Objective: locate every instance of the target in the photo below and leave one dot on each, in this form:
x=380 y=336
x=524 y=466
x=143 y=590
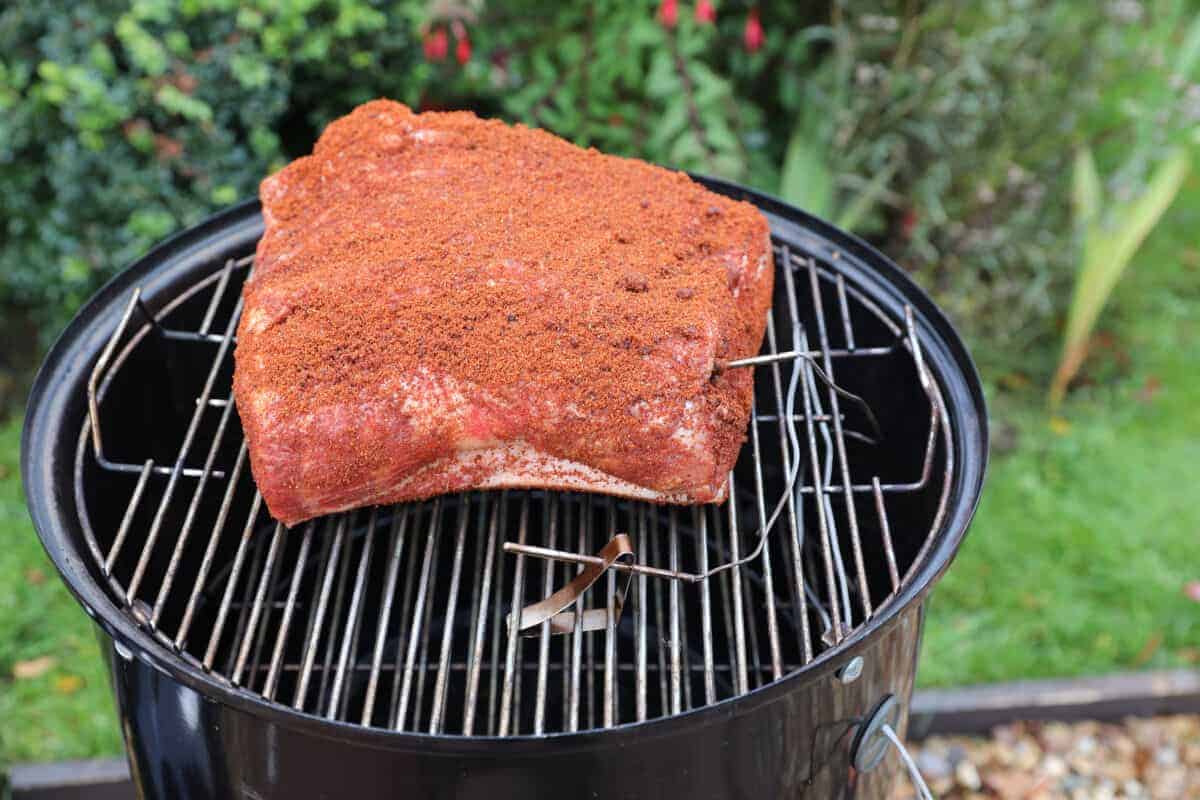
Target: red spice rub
x=441 y=302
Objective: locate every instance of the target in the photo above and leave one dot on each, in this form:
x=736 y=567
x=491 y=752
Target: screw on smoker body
x=851 y=672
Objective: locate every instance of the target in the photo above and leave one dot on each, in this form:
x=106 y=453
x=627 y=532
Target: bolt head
x=852 y=671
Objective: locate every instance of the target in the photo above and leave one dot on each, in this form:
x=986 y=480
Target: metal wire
x=914 y=773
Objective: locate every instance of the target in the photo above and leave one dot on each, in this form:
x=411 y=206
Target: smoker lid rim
x=50 y=432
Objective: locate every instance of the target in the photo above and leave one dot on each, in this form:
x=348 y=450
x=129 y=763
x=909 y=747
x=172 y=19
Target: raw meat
x=442 y=303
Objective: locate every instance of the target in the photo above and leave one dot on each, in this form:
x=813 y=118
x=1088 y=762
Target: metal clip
x=619 y=550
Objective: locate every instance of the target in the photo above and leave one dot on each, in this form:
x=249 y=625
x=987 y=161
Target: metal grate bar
x=814 y=462
x=335 y=616
x=427 y=623
x=288 y=610
x=396 y=549
x=418 y=617
x=211 y=548
x=188 y=439
x=190 y=519
x=577 y=646
x=494 y=609
x=744 y=581
x=260 y=636
x=353 y=618
x=256 y=608
x=844 y=307
x=481 y=615
x=406 y=620
x=787 y=434
x=706 y=628
x=589 y=641
x=219 y=626
x=439 y=691
x=885 y=533
x=462 y=666
x=518 y=601
x=332 y=557
x=840 y=441
x=825 y=502
x=243 y=606
x=725 y=582
x=218 y=293
x=739 y=619
x=127 y=519
x=768 y=575
x=568 y=646
x=610 y=631
x=685 y=643
x=674 y=588
x=316 y=612
x=642 y=600
x=539 y=718
x=660 y=624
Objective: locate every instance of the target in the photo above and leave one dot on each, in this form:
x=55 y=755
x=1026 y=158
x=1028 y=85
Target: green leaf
x=1107 y=253
x=1085 y=187
x=152 y=10
x=1140 y=215
x=50 y=71
x=867 y=198
x=178 y=43
x=151 y=223
x=673 y=121
x=264 y=141
x=687 y=151
x=144 y=50
x=806 y=180
x=224 y=195
x=662 y=81
x=186 y=106
x=101 y=58
x=1189 y=51
x=249 y=19
x=251 y=71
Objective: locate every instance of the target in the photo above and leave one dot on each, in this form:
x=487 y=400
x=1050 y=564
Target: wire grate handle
x=552 y=609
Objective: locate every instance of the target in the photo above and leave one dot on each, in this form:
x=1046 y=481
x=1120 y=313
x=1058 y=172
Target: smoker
x=375 y=653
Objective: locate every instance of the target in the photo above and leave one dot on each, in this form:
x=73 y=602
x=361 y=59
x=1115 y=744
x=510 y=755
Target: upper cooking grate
x=395 y=617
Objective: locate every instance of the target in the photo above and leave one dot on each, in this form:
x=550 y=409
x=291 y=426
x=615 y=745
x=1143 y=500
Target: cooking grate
x=395 y=617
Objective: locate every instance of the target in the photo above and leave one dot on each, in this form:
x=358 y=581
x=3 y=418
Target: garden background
x=988 y=147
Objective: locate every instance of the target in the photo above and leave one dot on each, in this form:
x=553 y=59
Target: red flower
x=752 y=35
x=462 y=51
x=668 y=12
x=436 y=44
x=705 y=13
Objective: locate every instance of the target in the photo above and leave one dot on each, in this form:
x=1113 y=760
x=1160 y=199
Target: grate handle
x=619 y=550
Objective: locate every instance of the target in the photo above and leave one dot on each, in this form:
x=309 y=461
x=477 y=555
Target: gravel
x=1139 y=758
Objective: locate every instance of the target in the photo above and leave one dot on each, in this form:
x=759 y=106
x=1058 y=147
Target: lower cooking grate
x=395 y=617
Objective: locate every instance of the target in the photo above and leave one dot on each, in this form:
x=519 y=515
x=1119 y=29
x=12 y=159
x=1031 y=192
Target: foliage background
x=947 y=122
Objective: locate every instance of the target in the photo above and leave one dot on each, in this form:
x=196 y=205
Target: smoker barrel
x=368 y=653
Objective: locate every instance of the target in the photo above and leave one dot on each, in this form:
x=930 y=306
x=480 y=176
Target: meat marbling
x=442 y=303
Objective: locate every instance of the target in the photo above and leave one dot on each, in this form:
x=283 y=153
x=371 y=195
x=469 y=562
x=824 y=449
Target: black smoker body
x=193 y=734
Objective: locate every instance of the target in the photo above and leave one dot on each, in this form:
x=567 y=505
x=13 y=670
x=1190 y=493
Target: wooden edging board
x=978 y=709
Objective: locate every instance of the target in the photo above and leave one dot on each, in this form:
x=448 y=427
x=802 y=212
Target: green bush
x=121 y=122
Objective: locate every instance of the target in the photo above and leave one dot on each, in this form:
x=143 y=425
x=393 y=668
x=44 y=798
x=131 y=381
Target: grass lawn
x=54 y=695
x=1088 y=531
x=1089 y=528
